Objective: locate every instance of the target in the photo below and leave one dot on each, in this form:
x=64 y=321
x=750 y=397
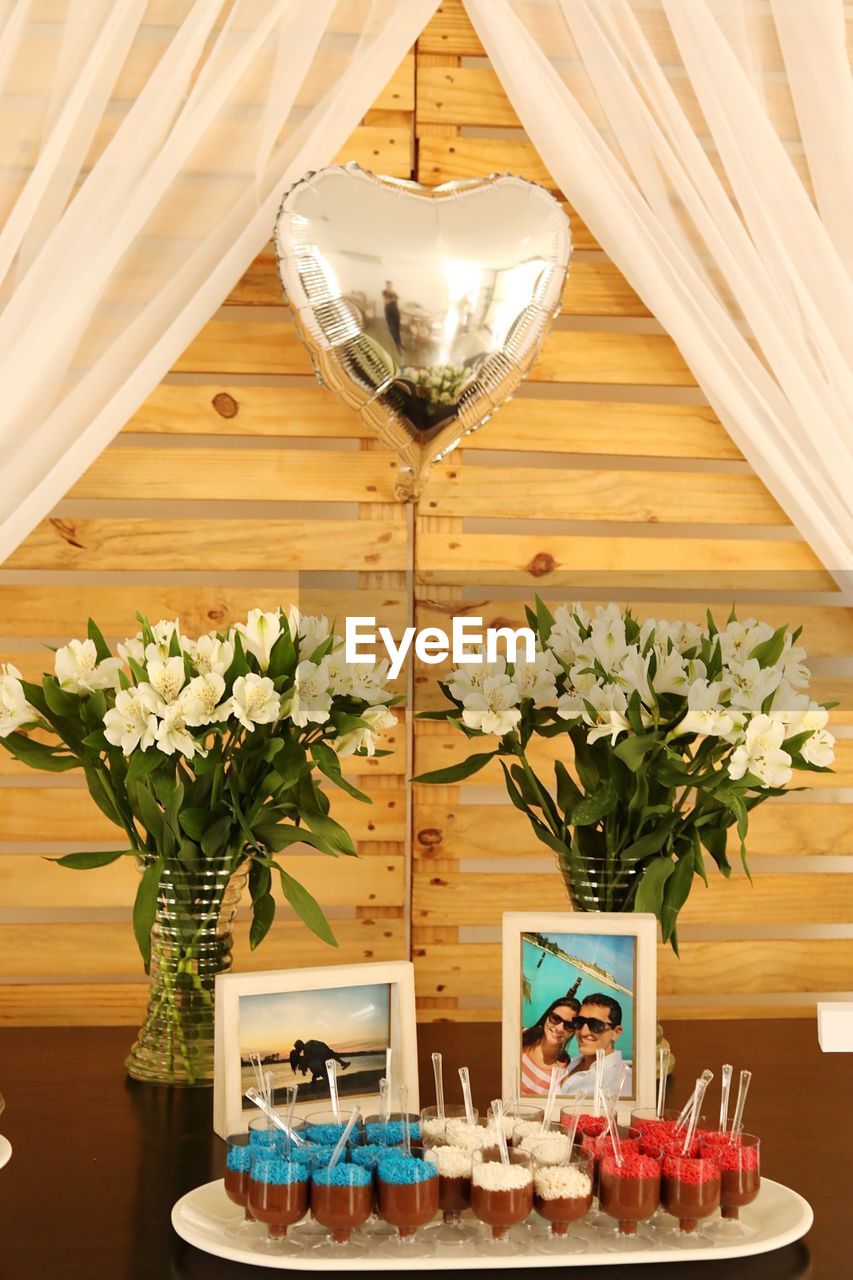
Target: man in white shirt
x=598 y=1025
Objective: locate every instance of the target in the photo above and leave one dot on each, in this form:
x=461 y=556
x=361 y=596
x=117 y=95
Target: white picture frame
x=283 y=989
x=584 y=929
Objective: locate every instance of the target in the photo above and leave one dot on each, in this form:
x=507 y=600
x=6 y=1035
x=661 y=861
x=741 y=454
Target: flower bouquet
x=205 y=754
x=676 y=732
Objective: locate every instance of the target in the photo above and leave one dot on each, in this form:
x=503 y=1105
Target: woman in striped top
x=545 y=1044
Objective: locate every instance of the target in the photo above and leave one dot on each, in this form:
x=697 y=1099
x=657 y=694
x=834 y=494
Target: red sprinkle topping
x=690 y=1169
x=659 y=1129
x=591 y=1126
x=738 y=1159
x=715 y=1138
x=632 y=1166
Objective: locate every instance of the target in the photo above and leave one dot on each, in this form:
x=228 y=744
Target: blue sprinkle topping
x=390 y=1134
x=265 y=1137
x=343 y=1175
x=239 y=1159
x=407 y=1169
x=325 y=1135
x=368 y=1156
x=278 y=1172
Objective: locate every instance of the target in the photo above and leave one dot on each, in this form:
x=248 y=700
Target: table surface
x=99 y=1160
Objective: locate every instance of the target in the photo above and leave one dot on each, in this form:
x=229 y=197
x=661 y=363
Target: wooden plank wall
x=239 y=484
x=609 y=478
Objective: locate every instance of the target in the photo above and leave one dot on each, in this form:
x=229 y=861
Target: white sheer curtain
x=708 y=145
x=144 y=147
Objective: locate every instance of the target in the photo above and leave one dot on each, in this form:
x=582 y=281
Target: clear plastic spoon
x=344 y=1138
x=254 y=1096
x=725 y=1088
x=404 y=1117
x=498 y=1116
x=737 y=1118
x=549 y=1101
x=332 y=1076
x=698 y=1095
x=663 y=1058
x=439 y=1085
x=466 y=1095
x=706 y=1076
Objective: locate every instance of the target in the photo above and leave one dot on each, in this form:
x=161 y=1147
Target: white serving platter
x=5 y=1151
x=778 y=1216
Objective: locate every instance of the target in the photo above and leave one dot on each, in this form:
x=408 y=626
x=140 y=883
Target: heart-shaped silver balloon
x=423 y=308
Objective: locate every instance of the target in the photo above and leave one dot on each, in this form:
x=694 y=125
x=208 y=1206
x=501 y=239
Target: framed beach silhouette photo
x=574 y=984
x=296 y=1020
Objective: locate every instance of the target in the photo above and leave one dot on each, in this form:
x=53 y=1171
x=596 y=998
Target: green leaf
x=306 y=907
x=151 y=816
x=94 y=858
x=634 y=712
x=215 y=839
x=438 y=715
x=649 y=895
x=329 y=764
x=596 y=806
x=544 y=620
x=770 y=651
x=714 y=839
x=38 y=755
x=100 y=795
x=194 y=821
x=144 y=762
x=263 y=914
x=568 y=792
x=675 y=892
x=632 y=751
x=102 y=649
x=584 y=763
x=145 y=907
x=239 y=663
x=96 y=741
x=456 y=772
x=60 y=702
x=283 y=654
x=651 y=842
x=331 y=833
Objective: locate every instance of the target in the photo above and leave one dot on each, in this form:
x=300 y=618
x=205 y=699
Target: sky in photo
x=350 y=1019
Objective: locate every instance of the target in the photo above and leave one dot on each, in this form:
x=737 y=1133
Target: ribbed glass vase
x=594 y=883
x=190 y=945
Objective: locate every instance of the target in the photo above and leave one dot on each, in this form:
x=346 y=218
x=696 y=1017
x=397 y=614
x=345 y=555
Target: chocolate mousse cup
x=408 y=1197
x=278 y=1197
x=341 y=1200
x=740 y=1183
x=690 y=1187
x=502 y=1194
x=630 y=1190
x=562 y=1195
x=237 y=1165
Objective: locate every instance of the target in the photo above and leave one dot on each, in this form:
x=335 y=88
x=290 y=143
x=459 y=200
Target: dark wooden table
x=99 y=1160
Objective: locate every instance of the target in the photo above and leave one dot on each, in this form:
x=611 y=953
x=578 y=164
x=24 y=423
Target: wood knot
x=67 y=531
x=438 y=882
x=430 y=837
x=541 y=564
x=226 y=406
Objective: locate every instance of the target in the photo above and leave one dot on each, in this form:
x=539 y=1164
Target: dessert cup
x=740 y=1183
x=629 y=1191
x=237 y=1167
x=342 y=1201
x=278 y=1198
x=502 y=1197
x=382 y=1132
x=324 y=1128
x=454 y=1196
x=408 y=1200
x=367 y=1156
x=432 y=1127
x=690 y=1192
x=562 y=1195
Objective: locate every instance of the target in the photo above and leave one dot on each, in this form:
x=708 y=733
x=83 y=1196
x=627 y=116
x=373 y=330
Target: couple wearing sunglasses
x=594 y=1024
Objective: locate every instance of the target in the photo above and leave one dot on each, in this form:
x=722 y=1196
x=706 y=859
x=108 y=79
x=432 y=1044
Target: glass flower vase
x=190 y=945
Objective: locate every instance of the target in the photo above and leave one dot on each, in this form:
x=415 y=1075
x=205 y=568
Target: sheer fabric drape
x=709 y=148
x=144 y=147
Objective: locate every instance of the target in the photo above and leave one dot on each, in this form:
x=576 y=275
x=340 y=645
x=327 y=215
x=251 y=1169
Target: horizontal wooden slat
x=452 y=897
x=272 y=347
x=592 y=289
x=555 y=559
x=437 y=751
x=96 y=949
x=254 y=475
x=30 y=881
x=106 y=1004
x=704 y=968
x=647 y=496
x=245 y=410
x=68 y=813
x=500 y=831
x=827 y=631
x=453 y=159
x=56 y=610
x=275 y=545
x=604 y=427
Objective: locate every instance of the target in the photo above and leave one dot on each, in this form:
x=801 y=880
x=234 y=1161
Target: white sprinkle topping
x=494 y=1176
x=432 y=1128
x=470 y=1136
x=453 y=1162
x=562 y=1181
x=549 y=1147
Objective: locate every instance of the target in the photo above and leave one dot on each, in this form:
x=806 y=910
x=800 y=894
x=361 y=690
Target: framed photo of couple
x=295 y=1020
x=573 y=984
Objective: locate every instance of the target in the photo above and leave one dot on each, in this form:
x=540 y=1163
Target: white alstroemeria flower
x=537 y=679
x=494 y=708
x=610 y=705
x=173 y=735
x=131 y=723
x=132 y=647
x=633 y=673
x=819 y=749
x=672 y=674
x=607 y=637
x=761 y=753
x=565 y=638
x=201 y=699
x=253 y=701
x=471 y=677
x=578 y=684
x=750 y=683
x=738 y=639
x=162 y=632
x=793 y=665
x=310 y=700
x=212 y=655
x=378 y=719
x=366 y=681
x=260 y=632
x=14 y=708
x=313 y=631
x=166 y=678
x=686 y=636
x=78 y=670
x=705 y=714
x=788 y=705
